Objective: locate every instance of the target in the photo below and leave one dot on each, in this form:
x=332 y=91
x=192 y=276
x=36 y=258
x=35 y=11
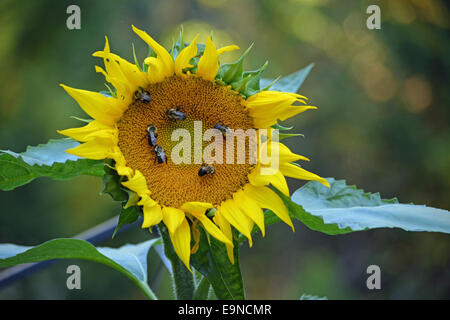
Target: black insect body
x=206 y=170
x=226 y=131
x=176 y=114
x=160 y=154
x=152 y=134
x=142 y=95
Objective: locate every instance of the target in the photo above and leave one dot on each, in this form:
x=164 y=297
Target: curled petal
x=208 y=65
x=173 y=218
x=185 y=56
x=181 y=241
x=266 y=198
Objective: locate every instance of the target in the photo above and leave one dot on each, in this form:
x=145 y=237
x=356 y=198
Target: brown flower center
x=173 y=184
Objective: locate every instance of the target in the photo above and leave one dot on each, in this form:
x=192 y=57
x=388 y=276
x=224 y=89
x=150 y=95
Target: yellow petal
x=96 y=105
x=225 y=227
x=152 y=216
x=277 y=180
x=138 y=184
x=237 y=218
x=196 y=208
x=266 y=198
x=162 y=54
x=208 y=65
x=293 y=171
x=181 y=240
x=185 y=56
x=287 y=155
x=173 y=218
x=115 y=74
x=155 y=70
x=123 y=68
x=251 y=209
x=213 y=230
x=227 y=49
x=96 y=149
x=88 y=132
x=121 y=165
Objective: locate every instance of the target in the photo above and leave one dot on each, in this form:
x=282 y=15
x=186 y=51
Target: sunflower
x=133 y=124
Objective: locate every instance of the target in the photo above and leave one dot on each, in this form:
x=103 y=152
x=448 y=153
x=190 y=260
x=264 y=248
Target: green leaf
x=312 y=297
x=290 y=83
x=45 y=160
x=211 y=260
x=127 y=216
x=130 y=259
x=202 y=290
x=353 y=209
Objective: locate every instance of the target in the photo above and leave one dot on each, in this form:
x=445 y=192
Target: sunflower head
x=190 y=138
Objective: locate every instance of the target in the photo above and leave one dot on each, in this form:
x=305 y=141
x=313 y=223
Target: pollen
x=172 y=184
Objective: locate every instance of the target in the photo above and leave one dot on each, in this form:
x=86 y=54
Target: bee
x=160 y=154
x=152 y=135
x=206 y=170
x=176 y=114
x=226 y=131
x=142 y=95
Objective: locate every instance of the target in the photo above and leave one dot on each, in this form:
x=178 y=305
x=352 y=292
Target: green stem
x=182 y=278
x=146 y=290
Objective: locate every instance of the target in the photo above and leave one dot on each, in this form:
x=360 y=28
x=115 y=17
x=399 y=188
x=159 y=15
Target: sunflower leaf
x=353 y=209
x=343 y=209
x=211 y=260
x=130 y=259
x=45 y=160
x=290 y=83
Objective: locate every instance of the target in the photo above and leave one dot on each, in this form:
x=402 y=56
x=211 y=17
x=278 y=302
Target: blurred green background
x=382 y=124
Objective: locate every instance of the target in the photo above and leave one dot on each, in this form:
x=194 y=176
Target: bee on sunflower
x=175 y=89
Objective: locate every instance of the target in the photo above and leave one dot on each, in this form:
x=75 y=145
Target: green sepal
x=249 y=84
x=194 y=61
x=127 y=216
x=136 y=62
x=179 y=45
x=282 y=136
x=232 y=72
x=252 y=85
x=290 y=83
x=110 y=93
x=281 y=127
x=112 y=183
x=81 y=119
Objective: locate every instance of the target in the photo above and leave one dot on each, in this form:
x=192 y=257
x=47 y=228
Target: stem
x=146 y=290
x=182 y=278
